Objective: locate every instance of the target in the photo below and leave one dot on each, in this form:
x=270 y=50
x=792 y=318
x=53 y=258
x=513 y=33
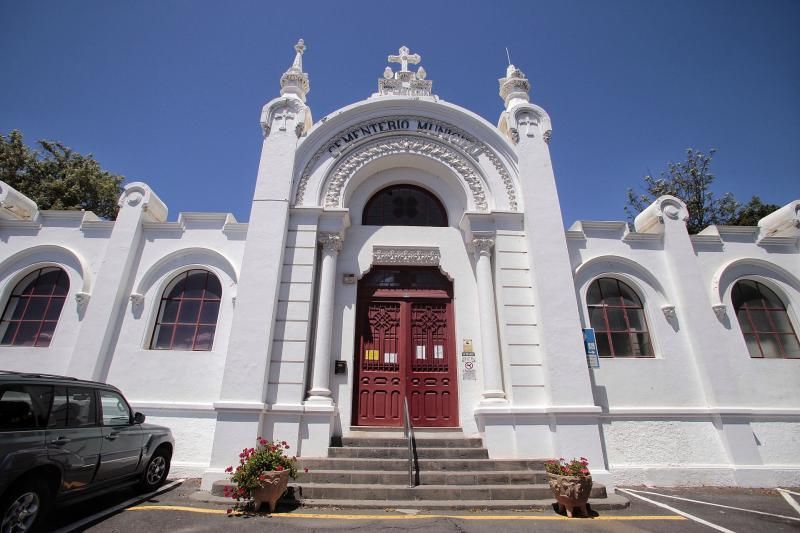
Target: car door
x=73 y=435
x=121 y=448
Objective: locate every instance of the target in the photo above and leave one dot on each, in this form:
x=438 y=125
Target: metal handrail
x=408 y=432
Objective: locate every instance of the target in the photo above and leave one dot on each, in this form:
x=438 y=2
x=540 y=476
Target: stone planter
x=571 y=492
x=271 y=490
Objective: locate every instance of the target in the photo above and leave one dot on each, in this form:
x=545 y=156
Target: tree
x=56 y=177
x=691 y=181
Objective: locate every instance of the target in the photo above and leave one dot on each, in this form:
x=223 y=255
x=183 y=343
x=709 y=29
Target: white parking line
x=717 y=505
x=676 y=511
x=111 y=510
x=791 y=501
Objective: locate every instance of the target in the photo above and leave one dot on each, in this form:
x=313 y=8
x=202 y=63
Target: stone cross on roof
x=404 y=58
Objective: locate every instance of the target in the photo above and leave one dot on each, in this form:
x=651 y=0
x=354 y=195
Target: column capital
x=482 y=244
x=331 y=242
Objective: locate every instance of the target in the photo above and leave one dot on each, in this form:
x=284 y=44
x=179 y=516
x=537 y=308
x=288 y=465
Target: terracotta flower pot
x=571 y=492
x=271 y=490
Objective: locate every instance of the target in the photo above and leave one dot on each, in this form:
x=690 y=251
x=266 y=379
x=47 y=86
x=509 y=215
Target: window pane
x=16 y=408
x=46 y=282
x=190 y=309
x=9 y=329
x=622 y=344
x=752 y=345
x=15 y=307
x=25 y=286
x=641 y=345
x=58 y=413
x=744 y=322
x=781 y=321
x=26 y=334
x=610 y=291
x=177 y=287
x=62 y=284
x=628 y=296
x=616 y=319
x=46 y=334
x=204 y=338
x=36 y=308
x=81 y=411
x=404 y=205
x=760 y=321
x=162 y=339
x=184 y=337
x=195 y=284
x=770 y=346
x=770 y=298
x=636 y=319
x=115 y=410
x=54 y=310
x=748 y=293
x=213 y=288
x=603 y=347
x=208 y=315
x=169 y=310
x=597 y=319
x=593 y=294
x=791 y=346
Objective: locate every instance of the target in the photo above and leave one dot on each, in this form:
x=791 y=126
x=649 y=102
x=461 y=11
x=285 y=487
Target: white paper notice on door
x=390 y=358
x=438 y=351
x=420 y=352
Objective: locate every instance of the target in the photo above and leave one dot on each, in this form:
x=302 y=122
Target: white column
x=321 y=373
x=492 y=375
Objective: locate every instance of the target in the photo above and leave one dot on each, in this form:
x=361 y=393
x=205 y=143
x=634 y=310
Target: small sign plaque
x=590 y=343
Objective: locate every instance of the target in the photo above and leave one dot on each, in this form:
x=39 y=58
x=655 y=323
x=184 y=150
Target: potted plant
x=571 y=483
x=262 y=475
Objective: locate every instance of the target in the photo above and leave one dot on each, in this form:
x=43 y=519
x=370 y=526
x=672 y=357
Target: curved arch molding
x=447 y=144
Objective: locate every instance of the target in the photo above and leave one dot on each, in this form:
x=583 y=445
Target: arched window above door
x=404 y=205
x=764 y=321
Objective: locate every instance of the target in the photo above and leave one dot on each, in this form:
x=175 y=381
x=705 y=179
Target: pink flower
x=305 y=470
x=279 y=468
x=229 y=469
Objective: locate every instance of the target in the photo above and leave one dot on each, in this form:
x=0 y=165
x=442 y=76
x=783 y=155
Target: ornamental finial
x=404 y=82
x=514 y=88
x=294 y=81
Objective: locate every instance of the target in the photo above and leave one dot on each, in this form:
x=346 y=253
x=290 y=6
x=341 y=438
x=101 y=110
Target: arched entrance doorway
x=405 y=348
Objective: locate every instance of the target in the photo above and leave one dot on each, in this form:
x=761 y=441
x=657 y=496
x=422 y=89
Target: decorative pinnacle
x=514 y=88
x=404 y=82
x=294 y=81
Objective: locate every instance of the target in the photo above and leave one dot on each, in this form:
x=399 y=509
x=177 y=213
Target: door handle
x=60 y=441
x=111 y=436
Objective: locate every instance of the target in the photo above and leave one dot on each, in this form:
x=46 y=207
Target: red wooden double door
x=405 y=349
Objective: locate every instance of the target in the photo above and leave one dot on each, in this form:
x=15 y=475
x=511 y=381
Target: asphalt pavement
x=177 y=509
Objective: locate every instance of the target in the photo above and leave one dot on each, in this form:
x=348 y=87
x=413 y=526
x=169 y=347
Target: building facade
x=403 y=252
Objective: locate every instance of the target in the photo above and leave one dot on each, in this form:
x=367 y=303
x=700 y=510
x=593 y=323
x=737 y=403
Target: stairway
x=454 y=472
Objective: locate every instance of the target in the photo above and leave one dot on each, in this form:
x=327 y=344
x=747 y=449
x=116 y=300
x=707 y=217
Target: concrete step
x=342 y=491
x=425 y=478
x=427 y=442
x=402 y=453
x=425 y=465
x=612 y=501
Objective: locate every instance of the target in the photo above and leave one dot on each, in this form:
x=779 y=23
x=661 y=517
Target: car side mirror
x=138 y=418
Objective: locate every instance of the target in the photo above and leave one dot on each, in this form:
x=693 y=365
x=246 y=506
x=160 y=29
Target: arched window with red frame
x=187 y=315
x=33 y=309
x=764 y=321
x=404 y=205
x=617 y=316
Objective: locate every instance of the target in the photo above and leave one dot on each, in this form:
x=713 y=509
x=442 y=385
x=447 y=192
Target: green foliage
x=691 y=181
x=56 y=177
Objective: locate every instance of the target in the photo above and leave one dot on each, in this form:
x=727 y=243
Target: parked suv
x=63 y=438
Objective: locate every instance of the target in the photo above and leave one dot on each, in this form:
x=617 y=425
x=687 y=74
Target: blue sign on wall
x=589 y=342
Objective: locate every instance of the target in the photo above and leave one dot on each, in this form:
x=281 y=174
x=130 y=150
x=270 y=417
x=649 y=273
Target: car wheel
x=24 y=507
x=156 y=471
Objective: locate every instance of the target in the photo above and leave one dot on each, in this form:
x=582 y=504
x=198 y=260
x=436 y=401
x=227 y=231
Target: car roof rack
x=50 y=376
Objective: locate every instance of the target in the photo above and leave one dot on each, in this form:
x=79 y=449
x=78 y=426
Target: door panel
x=406 y=349
x=122 y=440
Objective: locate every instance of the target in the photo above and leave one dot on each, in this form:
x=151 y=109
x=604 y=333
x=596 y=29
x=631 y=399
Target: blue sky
x=169 y=92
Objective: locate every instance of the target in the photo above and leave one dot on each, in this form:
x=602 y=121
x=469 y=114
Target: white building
x=385 y=242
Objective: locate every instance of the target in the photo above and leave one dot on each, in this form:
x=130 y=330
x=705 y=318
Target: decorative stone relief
x=546 y=136
x=404 y=255
x=331 y=242
x=669 y=311
x=82 y=298
x=441 y=131
x=399 y=145
x=285 y=116
x=721 y=310
x=137 y=299
x=482 y=245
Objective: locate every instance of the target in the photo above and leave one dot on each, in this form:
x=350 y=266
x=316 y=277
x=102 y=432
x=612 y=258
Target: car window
x=73 y=407
x=115 y=411
x=24 y=406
